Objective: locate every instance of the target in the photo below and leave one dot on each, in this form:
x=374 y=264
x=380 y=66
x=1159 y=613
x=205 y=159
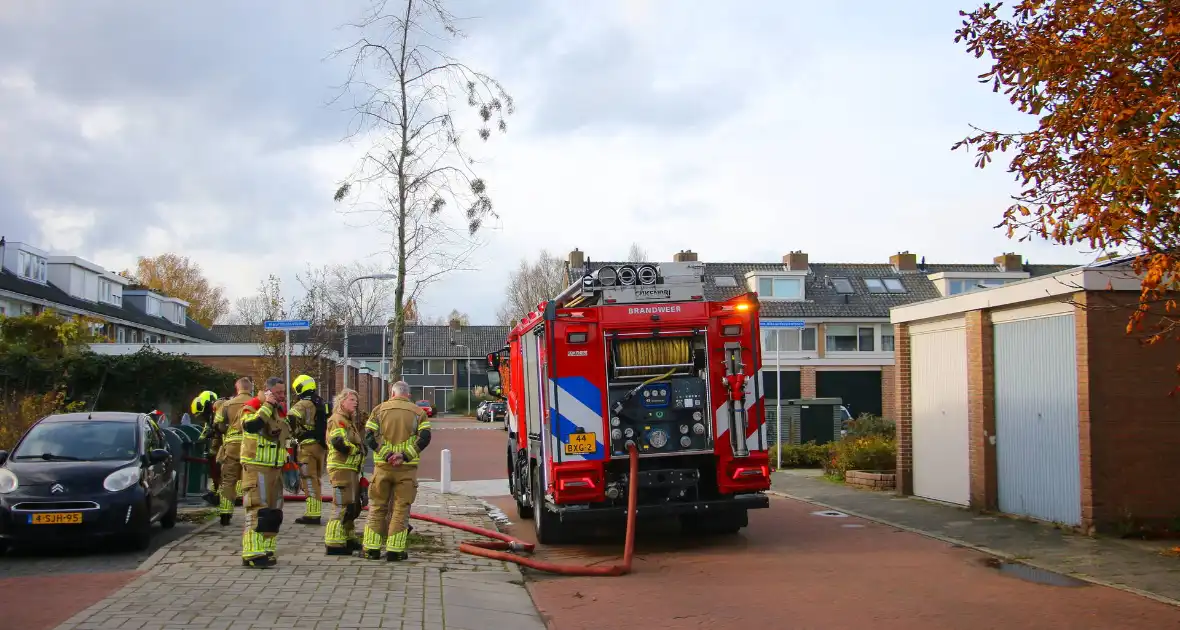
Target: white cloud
x=740 y=135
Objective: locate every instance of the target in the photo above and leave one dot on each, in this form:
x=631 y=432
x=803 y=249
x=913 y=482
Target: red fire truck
x=635 y=355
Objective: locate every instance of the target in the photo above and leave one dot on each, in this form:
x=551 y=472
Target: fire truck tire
x=548 y=527
x=523 y=511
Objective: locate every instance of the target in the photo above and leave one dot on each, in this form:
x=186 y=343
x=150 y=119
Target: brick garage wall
x=981 y=410
x=888 y=392
x=258 y=368
x=902 y=393
x=1134 y=426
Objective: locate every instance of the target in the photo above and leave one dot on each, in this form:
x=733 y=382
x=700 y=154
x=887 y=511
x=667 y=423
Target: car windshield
x=84 y=440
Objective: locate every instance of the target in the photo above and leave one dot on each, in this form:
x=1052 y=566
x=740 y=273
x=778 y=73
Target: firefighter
x=346 y=454
x=227 y=422
x=264 y=432
x=308 y=418
x=396 y=432
x=203 y=408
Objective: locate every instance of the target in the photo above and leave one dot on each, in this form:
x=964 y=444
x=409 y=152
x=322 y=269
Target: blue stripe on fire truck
x=579 y=406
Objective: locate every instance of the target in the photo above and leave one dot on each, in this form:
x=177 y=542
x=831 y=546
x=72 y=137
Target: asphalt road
x=794 y=568
x=94 y=558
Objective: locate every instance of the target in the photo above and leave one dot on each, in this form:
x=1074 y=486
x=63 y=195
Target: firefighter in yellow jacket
x=308 y=417
x=204 y=408
x=264 y=436
x=397 y=432
x=227 y=421
x=345 y=456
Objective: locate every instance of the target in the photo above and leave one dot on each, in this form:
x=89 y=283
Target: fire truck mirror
x=495 y=386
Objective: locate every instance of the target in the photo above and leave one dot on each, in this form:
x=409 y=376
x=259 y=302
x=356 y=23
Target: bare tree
x=406 y=90
x=636 y=254
x=531 y=284
x=455 y=314
x=252 y=310
x=362 y=303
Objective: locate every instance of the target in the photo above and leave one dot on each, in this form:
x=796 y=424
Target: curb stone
x=982 y=549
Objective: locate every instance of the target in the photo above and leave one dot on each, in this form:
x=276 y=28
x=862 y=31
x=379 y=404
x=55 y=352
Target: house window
x=842 y=285
x=121 y=335
x=440 y=367
x=412 y=367
x=31 y=267
x=887 y=339
x=780 y=288
x=884 y=285
x=788 y=339
x=849 y=338
x=153 y=306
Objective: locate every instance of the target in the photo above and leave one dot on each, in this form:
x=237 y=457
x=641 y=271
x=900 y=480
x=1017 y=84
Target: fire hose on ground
x=499 y=548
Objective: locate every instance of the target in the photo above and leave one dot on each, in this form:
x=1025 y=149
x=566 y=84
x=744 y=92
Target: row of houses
x=1014 y=385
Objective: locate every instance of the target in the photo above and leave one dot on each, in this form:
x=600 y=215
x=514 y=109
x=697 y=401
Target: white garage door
x=1038 y=468
x=939 y=401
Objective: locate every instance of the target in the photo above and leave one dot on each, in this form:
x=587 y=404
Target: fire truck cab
x=635 y=355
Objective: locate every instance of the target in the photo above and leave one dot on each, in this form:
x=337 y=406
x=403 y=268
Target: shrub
x=458 y=402
x=861 y=453
x=809 y=455
x=868 y=425
x=19 y=411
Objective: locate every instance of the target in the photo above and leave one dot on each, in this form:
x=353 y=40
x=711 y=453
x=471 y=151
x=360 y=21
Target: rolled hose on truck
x=497 y=549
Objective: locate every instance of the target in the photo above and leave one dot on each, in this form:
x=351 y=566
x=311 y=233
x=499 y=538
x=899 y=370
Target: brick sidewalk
x=1119 y=563
x=200 y=584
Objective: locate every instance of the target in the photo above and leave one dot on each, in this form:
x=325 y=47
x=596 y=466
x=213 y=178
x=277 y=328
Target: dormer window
x=153 y=306
x=780 y=288
x=884 y=285
x=32 y=267
x=109 y=293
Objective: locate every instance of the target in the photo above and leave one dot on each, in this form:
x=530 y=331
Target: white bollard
x=445 y=478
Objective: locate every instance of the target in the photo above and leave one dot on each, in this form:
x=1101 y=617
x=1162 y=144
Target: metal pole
x=384 y=371
x=287 y=336
x=468 y=380
x=346 y=349
x=778 y=399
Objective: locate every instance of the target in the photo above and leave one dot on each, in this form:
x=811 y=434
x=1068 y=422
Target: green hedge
x=871 y=452
x=809 y=455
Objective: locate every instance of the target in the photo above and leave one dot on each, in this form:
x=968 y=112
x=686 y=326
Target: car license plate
x=581 y=444
x=55 y=518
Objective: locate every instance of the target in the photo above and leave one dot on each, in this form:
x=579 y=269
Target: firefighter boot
x=312 y=517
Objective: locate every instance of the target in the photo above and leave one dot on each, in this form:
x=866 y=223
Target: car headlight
x=8 y=481
x=121 y=479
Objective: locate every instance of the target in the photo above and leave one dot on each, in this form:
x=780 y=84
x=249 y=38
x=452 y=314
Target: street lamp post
x=348 y=316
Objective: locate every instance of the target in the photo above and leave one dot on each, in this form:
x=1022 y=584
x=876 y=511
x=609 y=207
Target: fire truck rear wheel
x=549 y=529
x=525 y=512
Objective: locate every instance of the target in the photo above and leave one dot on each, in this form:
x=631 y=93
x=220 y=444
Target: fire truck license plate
x=56 y=518
x=581 y=444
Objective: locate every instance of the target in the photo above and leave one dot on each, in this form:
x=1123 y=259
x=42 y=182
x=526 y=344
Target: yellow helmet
x=202 y=400
x=303 y=384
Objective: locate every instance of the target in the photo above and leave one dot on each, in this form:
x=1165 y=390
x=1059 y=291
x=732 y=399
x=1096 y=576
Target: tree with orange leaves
x=177 y=276
x=1103 y=164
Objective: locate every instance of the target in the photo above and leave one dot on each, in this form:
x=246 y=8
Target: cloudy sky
x=132 y=128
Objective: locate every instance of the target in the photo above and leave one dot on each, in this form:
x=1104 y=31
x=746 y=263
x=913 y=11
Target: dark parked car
x=79 y=476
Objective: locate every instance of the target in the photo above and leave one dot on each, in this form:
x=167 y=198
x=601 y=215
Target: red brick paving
x=791 y=569
x=475 y=453
x=44 y=602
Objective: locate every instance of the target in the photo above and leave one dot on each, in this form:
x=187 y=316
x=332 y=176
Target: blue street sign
x=287 y=324
x=782 y=323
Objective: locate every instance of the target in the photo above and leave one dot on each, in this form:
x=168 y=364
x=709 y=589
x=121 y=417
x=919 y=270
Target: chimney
x=795 y=261
x=1009 y=261
x=577 y=259
x=684 y=255
x=904 y=261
